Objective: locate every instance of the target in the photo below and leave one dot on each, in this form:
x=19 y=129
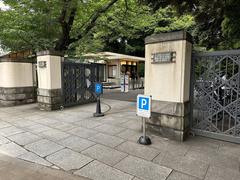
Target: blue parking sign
x=143 y=103
x=144 y=106
x=98 y=88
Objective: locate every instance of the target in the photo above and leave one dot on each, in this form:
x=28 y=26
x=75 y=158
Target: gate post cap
x=50 y=52
x=169 y=36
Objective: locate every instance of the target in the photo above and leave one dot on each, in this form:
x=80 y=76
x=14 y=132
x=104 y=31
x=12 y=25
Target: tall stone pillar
x=49 y=68
x=167 y=79
x=16 y=81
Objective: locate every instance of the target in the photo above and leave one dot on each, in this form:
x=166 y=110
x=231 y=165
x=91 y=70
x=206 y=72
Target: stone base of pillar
x=49 y=99
x=170 y=119
x=17 y=96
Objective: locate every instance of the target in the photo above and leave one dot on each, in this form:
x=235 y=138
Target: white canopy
x=113 y=56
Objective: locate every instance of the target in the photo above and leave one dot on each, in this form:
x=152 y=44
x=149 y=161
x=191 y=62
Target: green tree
x=124 y=30
x=56 y=24
x=216 y=22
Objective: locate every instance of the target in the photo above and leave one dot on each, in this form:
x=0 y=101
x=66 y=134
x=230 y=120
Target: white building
x=116 y=64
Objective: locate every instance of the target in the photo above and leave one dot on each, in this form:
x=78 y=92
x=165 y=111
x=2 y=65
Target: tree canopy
x=80 y=26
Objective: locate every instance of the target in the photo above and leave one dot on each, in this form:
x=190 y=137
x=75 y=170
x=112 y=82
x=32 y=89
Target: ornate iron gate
x=215 y=95
x=78 y=82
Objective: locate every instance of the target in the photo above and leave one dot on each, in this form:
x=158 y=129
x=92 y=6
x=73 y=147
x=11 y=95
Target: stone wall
x=16 y=81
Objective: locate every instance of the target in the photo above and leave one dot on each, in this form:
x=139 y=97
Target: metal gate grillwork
x=78 y=83
x=215 y=93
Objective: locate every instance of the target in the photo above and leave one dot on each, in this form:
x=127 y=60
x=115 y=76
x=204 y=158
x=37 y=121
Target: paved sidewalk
x=106 y=149
x=15 y=169
x=116 y=94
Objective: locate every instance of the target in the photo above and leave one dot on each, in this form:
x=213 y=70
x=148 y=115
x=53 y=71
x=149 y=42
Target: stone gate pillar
x=49 y=68
x=167 y=79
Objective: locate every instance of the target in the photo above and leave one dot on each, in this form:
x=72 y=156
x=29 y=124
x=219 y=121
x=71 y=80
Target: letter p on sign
x=144 y=106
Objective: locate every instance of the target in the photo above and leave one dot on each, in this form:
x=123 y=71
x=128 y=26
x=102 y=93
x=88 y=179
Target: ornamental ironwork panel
x=78 y=83
x=215 y=94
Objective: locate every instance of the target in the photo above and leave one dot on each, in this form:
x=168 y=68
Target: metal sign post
x=144 y=111
x=98 y=92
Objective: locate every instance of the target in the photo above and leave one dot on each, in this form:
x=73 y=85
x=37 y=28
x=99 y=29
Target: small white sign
x=126 y=83
x=144 y=106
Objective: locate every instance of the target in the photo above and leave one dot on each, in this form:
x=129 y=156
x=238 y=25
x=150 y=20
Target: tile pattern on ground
x=24 y=138
x=76 y=143
x=143 y=169
x=54 y=135
x=99 y=171
x=107 y=140
x=120 y=125
x=9 y=131
x=43 y=147
x=138 y=150
x=31 y=157
x=3 y=140
x=83 y=132
x=12 y=149
x=184 y=164
x=218 y=173
x=104 y=154
x=109 y=129
x=180 y=176
x=68 y=159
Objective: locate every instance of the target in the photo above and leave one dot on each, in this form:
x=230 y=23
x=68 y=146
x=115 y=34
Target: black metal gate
x=78 y=82
x=215 y=95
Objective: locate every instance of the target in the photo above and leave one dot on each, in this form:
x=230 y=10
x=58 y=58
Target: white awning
x=113 y=56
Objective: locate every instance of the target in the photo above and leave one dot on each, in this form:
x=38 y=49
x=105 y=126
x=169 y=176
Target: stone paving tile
x=23 y=123
x=16 y=169
x=68 y=159
x=105 y=154
x=38 y=128
x=113 y=120
x=143 y=169
x=107 y=140
x=12 y=149
x=213 y=157
x=173 y=147
x=138 y=150
x=4 y=124
x=24 y=138
x=54 y=135
x=76 y=143
x=88 y=123
x=3 y=114
x=66 y=118
x=184 y=164
x=130 y=135
x=180 y=176
x=3 y=140
x=83 y=132
x=43 y=147
x=78 y=114
x=218 y=173
x=133 y=124
x=109 y=129
x=230 y=149
x=33 y=117
x=199 y=141
x=12 y=118
x=31 y=157
x=99 y=171
x=63 y=126
x=8 y=131
x=47 y=121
